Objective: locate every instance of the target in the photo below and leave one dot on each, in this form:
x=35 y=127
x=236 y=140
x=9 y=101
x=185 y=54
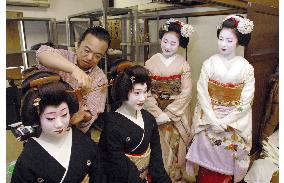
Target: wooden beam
x=198 y=14
x=228 y=3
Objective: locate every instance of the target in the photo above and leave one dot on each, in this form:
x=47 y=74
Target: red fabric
x=160 y=78
x=208 y=176
x=149 y=178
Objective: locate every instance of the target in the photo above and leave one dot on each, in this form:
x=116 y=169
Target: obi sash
x=141 y=161
x=224 y=94
x=164 y=89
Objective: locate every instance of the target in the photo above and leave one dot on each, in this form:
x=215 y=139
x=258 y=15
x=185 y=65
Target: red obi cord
x=161 y=78
x=208 y=176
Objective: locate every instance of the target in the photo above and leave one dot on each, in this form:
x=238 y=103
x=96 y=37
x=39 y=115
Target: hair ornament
x=36 y=102
x=44 y=80
x=186 y=30
x=22 y=133
x=132 y=78
x=243 y=25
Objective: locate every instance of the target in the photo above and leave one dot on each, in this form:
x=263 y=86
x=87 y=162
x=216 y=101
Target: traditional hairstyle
x=241 y=26
x=43 y=89
x=184 y=31
x=97 y=31
x=125 y=81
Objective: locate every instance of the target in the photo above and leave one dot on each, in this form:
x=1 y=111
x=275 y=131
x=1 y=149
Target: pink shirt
x=93 y=101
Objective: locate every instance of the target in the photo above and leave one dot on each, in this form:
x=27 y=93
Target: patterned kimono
x=222 y=121
x=171 y=93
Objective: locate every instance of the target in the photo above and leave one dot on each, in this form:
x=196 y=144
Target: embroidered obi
x=227 y=95
x=164 y=89
x=224 y=94
x=141 y=161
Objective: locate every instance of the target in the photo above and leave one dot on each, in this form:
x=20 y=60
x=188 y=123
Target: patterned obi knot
x=164 y=89
x=225 y=94
x=141 y=161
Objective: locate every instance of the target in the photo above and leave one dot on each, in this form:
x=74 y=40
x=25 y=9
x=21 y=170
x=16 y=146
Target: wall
x=127 y=3
x=58 y=9
x=36 y=31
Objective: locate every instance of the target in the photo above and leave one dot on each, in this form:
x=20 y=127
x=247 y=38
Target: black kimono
x=120 y=135
x=35 y=164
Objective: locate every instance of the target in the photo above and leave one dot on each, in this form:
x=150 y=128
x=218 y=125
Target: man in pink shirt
x=80 y=69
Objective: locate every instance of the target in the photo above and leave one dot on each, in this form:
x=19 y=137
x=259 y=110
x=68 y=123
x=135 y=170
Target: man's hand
x=80 y=116
x=83 y=79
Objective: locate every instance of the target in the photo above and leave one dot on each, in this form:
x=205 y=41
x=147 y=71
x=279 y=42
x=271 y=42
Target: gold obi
x=164 y=88
x=224 y=94
x=141 y=161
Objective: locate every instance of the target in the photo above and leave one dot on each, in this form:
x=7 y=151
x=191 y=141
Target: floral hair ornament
x=243 y=25
x=186 y=30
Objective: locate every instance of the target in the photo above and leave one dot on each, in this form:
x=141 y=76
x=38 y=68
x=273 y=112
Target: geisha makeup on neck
x=55 y=120
x=227 y=43
x=169 y=44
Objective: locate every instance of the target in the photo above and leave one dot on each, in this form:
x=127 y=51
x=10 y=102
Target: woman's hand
x=163 y=118
x=217 y=128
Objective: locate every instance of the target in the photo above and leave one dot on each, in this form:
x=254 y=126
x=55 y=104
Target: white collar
x=138 y=120
x=169 y=60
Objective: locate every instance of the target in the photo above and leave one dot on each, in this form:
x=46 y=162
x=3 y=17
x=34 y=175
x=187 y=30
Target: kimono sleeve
x=181 y=102
x=22 y=172
x=204 y=99
x=238 y=118
x=151 y=103
x=156 y=167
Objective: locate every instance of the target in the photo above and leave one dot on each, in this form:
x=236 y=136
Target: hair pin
x=132 y=78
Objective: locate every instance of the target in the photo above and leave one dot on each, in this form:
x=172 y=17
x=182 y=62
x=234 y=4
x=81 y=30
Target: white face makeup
x=227 y=43
x=137 y=96
x=170 y=44
x=55 y=119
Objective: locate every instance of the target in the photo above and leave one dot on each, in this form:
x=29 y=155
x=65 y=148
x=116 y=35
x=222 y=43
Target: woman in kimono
x=130 y=143
x=222 y=122
x=170 y=96
x=54 y=152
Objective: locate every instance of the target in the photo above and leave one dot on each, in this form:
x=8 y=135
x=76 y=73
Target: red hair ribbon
x=179 y=23
x=235 y=21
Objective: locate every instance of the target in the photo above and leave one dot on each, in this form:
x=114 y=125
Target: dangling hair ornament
x=36 y=104
x=243 y=25
x=186 y=30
